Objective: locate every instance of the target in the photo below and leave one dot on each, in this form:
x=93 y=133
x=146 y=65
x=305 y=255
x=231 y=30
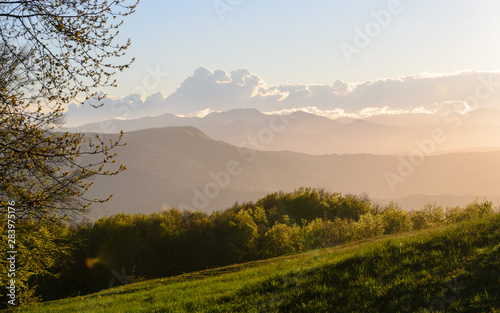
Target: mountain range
x=183 y=167
x=478 y=130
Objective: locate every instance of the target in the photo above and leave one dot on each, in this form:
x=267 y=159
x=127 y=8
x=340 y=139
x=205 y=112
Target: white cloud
x=200 y=114
x=340 y=113
x=367 y=112
x=421 y=110
x=129 y=107
x=331 y=114
x=450 y=107
x=220 y=91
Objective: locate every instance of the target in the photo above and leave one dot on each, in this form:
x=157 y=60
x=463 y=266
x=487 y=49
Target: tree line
x=139 y=247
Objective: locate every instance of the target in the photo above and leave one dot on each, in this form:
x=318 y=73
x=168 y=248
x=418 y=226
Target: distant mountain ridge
x=313 y=134
x=182 y=167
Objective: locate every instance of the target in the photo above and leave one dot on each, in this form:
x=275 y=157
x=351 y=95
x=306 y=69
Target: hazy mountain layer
x=184 y=168
x=312 y=134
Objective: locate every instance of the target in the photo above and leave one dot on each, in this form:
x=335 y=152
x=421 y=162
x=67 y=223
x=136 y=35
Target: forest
x=127 y=248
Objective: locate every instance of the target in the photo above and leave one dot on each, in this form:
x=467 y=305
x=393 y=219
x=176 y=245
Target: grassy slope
x=456 y=269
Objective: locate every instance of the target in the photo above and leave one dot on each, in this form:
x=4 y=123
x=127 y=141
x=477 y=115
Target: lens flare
x=90 y=262
x=442 y=90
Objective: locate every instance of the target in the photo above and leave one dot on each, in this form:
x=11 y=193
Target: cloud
x=129 y=107
x=219 y=91
x=200 y=114
x=242 y=89
x=450 y=107
x=339 y=113
x=332 y=114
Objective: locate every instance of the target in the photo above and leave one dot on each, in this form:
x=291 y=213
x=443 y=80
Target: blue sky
x=288 y=42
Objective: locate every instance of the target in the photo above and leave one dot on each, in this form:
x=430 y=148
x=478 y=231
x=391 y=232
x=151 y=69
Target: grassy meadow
x=453 y=268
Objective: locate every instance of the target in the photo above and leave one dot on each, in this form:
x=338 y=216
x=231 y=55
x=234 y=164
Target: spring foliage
x=52 y=53
x=174 y=242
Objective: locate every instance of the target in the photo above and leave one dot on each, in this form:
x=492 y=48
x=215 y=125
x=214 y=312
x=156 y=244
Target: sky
x=300 y=42
x=329 y=57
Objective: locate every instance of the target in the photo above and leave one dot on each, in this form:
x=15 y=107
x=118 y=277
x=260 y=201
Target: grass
x=454 y=269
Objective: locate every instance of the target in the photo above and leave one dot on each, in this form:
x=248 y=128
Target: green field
x=454 y=268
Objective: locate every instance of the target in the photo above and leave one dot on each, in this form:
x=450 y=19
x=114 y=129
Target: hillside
x=184 y=168
x=456 y=268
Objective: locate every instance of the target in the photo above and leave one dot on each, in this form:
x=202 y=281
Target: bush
x=395 y=219
x=282 y=239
